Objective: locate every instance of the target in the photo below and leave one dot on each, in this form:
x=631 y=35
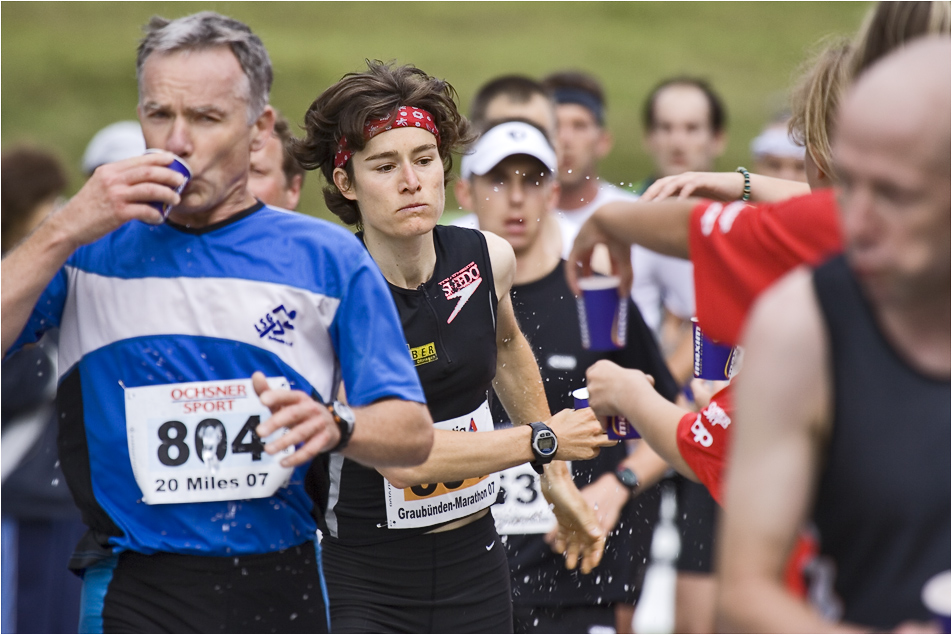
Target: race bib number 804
x=196 y=442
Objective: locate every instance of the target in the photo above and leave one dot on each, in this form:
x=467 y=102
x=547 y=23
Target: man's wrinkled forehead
x=208 y=73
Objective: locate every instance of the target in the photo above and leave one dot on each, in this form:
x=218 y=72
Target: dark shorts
x=564 y=619
x=696 y=520
x=172 y=593
x=450 y=582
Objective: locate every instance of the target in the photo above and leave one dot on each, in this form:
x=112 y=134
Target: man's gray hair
x=206 y=30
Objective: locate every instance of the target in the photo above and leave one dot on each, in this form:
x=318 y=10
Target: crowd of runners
x=258 y=414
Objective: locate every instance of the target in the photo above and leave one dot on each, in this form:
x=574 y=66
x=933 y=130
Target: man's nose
x=517 y=192
x=859 y=218
x=679 y=135
x=180 y=139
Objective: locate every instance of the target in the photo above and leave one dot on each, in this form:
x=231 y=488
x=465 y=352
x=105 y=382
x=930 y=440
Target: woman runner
x=416 y=550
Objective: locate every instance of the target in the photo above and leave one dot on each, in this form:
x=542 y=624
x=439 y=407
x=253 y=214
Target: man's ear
x=605 y=143
x=344 y=184
x=263 y=129
x=294 y=190
x=720 y=144
x=647 y=142
x=464 y=194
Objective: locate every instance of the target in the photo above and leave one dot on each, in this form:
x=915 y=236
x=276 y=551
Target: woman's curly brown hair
x=344 y=108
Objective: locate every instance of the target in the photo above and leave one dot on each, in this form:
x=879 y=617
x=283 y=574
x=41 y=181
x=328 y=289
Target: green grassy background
x=68 y=69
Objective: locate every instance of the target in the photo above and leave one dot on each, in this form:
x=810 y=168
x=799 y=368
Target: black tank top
x=548 y=315
x=450 y=326
x=882 y=508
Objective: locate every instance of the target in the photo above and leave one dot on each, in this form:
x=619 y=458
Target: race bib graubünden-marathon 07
x=434 y=503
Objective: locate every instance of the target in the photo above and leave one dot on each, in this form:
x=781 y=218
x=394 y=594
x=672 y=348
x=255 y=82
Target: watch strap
x=540 y=461
x=346 y=427
x=627 y=477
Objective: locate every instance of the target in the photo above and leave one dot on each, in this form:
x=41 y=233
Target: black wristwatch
x=627 y=478
x=344 y=418
x=544 y=445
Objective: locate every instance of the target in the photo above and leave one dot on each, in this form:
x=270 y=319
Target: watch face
x=343 y=411
x=545 y=442
x=627 y=477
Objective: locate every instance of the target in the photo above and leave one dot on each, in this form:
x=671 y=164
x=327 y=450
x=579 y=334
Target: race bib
x=434 y=503
x=196 y=442
x=522 y=508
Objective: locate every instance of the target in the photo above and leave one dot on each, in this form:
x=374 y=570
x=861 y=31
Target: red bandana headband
x=402 y=117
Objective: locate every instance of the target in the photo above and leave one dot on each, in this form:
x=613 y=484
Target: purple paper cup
x=712 y=360
x=618 y=427
x=180 y=166
x=581 y=398
x=602 y=316
x=937 y=597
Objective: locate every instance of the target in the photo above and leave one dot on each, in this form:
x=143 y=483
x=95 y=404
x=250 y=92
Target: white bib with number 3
x=523 y=509
x=196 y=442
x=434 y=503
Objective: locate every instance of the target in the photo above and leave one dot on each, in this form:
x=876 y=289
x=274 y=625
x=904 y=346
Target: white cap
x=775 y=141
x=503 y=141
x=115 y=142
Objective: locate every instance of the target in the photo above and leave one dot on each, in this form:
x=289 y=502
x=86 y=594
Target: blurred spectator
x=502 y=99
x=276 y=178
x=685 y=131
x=513 y=97
x=115 y=142
x=40 y=520
x=776 y=154
x=685 y=127
x=583 y=141
x=33 y=180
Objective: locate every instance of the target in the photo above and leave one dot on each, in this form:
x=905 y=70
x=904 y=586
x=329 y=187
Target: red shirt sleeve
x=704 y=439
x=739 y=250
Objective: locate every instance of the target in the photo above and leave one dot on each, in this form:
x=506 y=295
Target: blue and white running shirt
x=161 y=329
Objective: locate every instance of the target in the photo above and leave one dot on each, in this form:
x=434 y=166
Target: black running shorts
x=173 y=593
x=455 y=581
